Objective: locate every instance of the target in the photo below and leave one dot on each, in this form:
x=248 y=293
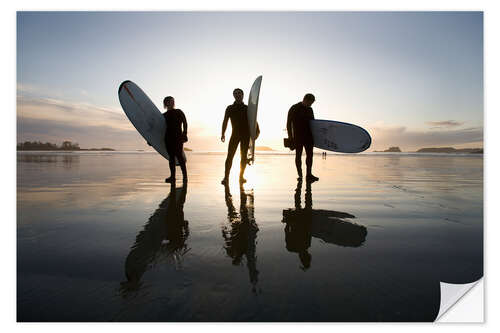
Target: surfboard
x=253 y=103
x=145 y=116
x=339 y=137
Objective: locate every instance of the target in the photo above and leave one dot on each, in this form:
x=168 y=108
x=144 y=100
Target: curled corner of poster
x=461 y=303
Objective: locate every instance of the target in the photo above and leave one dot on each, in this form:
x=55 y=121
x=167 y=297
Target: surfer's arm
x=257 y=131
x=224 y=125
x=289 y=123
x=184 y=124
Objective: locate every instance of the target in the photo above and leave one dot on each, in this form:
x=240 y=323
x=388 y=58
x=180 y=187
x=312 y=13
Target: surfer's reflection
x=327 y=225
x=240 y=234
x=163 y=237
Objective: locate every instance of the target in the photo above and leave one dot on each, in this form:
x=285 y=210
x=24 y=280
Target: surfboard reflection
x=330 y=226
x=240 y=233
x=163 y=237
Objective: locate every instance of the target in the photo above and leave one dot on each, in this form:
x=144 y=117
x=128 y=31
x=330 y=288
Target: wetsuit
x=175 y=138
x=299 y=129
x=237 y=112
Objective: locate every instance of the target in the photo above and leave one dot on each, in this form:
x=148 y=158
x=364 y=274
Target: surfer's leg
x=244 y=160
x=184 y=171
x=231 y=150
x=182 y=161
x=171 y=164
x=309 y=162
x=309 y=157
x=298 y=158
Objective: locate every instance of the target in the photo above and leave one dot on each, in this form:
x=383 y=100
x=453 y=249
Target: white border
x=491 y=118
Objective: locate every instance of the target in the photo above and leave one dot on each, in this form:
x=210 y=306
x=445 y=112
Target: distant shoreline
x=445 y=150
x=70 y=150
x=68 y=146
x=48 y=146
x=274 y=152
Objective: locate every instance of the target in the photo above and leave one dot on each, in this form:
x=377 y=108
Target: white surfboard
x=339 y=137
x=145 y=116
x=253 y=103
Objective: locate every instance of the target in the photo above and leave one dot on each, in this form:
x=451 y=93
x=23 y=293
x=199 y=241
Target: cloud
x=387 y=136
x=25 y=88
x=71 y=112
x=445 y=123
x=46 y=130
x=56 y=120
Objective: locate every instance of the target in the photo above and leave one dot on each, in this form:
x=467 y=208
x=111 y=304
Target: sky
x=412 y=80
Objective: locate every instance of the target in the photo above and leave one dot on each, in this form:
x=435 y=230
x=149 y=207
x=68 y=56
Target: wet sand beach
x=102 y=237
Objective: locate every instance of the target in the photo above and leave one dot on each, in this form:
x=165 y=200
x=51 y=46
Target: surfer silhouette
x=175 y=137
x=240 y=235
x=299 y=132
x=240 y=134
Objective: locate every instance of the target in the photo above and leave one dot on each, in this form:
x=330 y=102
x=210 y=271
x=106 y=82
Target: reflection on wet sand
x=164 y=235
x=240 y=234
x=327 y=225
x=67 y=159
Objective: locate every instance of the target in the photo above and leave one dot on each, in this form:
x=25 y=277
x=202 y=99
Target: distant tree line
x=390 y=150
x=37 y=145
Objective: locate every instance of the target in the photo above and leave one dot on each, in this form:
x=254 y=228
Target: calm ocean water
x=101 y=237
